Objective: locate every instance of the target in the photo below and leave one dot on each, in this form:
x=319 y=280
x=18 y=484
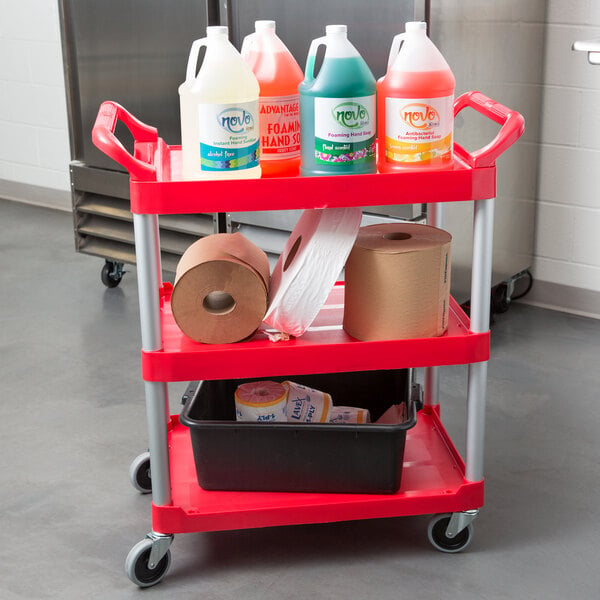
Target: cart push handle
x=103 y=136
x=513 y=126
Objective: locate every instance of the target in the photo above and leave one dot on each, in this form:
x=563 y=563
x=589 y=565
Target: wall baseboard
x=35 y=194
x=564 y=298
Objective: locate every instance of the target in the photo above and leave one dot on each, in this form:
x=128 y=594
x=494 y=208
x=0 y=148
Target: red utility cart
x=435 y=478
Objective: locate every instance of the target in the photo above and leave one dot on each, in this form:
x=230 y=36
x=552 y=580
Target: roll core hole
x=397 y=236
x=292 y=254
x=218 y=303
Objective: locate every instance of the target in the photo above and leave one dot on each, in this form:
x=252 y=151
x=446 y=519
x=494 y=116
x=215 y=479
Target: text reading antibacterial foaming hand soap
x=415 y=105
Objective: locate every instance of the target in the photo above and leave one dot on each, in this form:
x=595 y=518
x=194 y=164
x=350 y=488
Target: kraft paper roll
x=221 y=287
x=309 y=266
x=306 y=405
x=261 y=401
x=398 y=282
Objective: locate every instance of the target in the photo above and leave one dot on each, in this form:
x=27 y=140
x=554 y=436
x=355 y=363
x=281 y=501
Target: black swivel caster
x=442 y=542
x=112 y=273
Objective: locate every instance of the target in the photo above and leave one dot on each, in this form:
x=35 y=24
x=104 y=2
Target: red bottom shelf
x=432 y=482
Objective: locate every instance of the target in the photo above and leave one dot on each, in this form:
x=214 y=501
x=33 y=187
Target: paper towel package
x=397 y=282
x=221 y=287
x=309 y=266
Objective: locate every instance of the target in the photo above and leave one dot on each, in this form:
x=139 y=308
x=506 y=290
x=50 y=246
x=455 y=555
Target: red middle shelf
x=324 y=347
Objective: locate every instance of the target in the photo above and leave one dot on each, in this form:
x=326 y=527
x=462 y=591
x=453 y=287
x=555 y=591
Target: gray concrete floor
x=73 y=418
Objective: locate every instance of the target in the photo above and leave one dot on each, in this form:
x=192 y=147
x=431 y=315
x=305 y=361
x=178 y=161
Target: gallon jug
x=219 y=112
x=415 y=104
x=278 y=76
x=337 y=109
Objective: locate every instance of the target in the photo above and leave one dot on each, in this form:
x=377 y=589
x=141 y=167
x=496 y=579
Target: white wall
x=567 y=249
x=34 y=146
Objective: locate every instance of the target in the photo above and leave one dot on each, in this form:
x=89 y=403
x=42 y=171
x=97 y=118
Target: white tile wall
x=567 y=273
x=567 y=248
x=33 y=114
x=586 y=241
x=569 y=175
x=555 y=226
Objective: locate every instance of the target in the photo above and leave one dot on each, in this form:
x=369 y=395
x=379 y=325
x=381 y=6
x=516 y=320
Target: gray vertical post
x=431 y=391
x=147 y=249
x=481 y=283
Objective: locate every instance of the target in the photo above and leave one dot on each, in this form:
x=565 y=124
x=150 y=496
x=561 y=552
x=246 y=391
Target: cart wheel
x=440 y=541
x=137 y=567
x=500 y=300
x=139 y=473
x=111 y=274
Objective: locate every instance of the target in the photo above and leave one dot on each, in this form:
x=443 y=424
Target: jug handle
x=247 y=44
x=395 y=49
x=103 y=136
x=192 y=64
x=309 y=72
x=512 y=128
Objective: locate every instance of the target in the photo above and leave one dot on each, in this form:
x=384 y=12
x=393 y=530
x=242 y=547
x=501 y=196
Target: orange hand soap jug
x=278 y=76
x=415 y=105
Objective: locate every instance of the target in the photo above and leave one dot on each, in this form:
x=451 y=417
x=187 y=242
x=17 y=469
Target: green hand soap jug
x=337 y=109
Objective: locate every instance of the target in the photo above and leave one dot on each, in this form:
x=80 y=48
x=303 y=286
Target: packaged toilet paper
x=309 y=266
x=261 y=401
x=349 y=415
x=306 y=405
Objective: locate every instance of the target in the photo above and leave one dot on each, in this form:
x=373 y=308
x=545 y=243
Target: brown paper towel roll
x=220 y=291
x=398 y=282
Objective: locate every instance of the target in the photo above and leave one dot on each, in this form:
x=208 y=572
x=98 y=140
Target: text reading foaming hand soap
x=278 y=75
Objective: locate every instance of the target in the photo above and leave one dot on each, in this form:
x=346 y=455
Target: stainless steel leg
x=431 y=392
x=481 y=281
x=147 y=247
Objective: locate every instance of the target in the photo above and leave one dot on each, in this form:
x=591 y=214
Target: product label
x=344 y=129
x=228 y=136
x=419 y=131
x=279 y=126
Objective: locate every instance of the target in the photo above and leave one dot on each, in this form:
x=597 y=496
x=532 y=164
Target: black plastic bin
x=290 y=457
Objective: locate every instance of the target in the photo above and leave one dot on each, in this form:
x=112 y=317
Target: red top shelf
x=169 y=195
x=325 y=346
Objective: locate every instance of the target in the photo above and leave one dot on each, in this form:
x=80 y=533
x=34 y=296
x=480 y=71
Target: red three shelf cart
x=435 y=478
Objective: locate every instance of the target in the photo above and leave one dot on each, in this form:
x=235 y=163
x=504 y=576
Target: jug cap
x=415 y=26
x=215 y=30
x=264 y=25
x=336 y=29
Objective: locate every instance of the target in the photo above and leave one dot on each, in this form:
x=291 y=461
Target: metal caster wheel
x=112 y=273
x=138 y=567
x=442 y=542
x=139 y=473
